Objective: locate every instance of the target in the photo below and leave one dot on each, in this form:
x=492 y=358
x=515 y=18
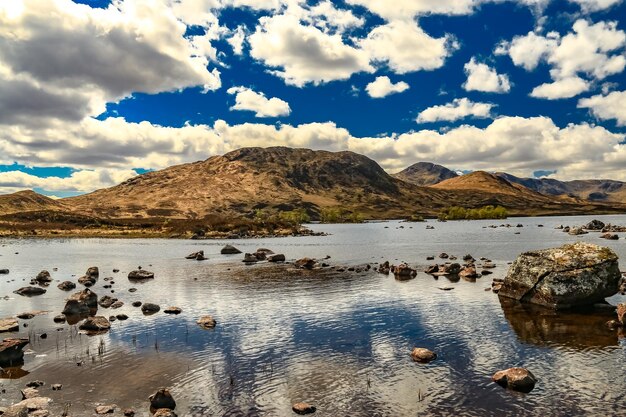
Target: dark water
x=339 y=341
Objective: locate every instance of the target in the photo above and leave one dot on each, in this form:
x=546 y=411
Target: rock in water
x=572 y=275
x=66 y=286
x=81 y=302
x=95 y=324
x=423 y=355
x=140 y=275
x=517 y=379
x=11 y=351
x=30 y=291
x=43 y=277
x=230 y=250
x=9 y=325
x=164 y=412
x=303 y=408
x=162 y=399
x=206 y=322
x=595 y=225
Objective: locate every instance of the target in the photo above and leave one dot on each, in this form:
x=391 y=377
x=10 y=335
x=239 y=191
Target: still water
x=338 y=341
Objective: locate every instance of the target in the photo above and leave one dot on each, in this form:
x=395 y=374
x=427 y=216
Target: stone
x=517 y=379
x=105 y=409
x=594 y=225
x=173 y=310
x=95 y=324
x=571 y=275
x=43 y=277
x=57 y=387
x=140 y=275
x=30 y=291
x=128 y=412
x=404 y=271
x=423 y=355
x=117 y=304
x=306 y=263
x=150 y=308
x=93 y=272
x=81 y=302
x=468 y=272
x=444 y=255
x=575 y=231
x=278 y=257
x=29 y=393
x=250 y=258
x=230 y=250
x=206 y=322
x=9 y=325
x=87 y=281
x=162 y=399
x=4 y=271
x=621 y=313
x=66 y=286
x=136 y=304
x=106 y=301
x=121 y=317
x=610 y=236
x=303 y=408
x=28 y=407
x=11 y=350
x=59 y=319
x=198 y=256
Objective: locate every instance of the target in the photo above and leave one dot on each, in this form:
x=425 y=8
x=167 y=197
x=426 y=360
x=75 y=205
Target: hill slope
x=425 y=173
x=28 y=200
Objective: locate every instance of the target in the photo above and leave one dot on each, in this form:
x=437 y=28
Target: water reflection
x=545 y=327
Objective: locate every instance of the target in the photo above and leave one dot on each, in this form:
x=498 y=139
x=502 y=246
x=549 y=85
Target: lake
x=338 y=341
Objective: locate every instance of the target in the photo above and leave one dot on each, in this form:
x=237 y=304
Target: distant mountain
x=591 y=190
x=28 y=200
x=425 y=173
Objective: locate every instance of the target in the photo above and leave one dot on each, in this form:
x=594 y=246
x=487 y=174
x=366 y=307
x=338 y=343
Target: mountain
x=425 y=173
x=28 y=200
x=277 y=178
x=591 y=190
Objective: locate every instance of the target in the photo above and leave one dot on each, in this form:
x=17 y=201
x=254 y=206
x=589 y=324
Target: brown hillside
x=27 y=200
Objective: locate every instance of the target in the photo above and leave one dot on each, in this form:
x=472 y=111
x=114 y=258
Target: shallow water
x=339 y=341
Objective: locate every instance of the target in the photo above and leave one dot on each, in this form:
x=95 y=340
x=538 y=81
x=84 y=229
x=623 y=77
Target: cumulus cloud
x=237 y=40
x=382 y=87
x=591 y=50
x=106 y=54
x=481 y=77
x=405 y=47
x=459 y=108
x=610 y=106
x=563 y=88
x=304 y=54
x=407 y=9
x=247 y=99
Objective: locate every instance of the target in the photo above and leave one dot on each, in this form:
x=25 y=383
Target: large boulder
x=230 y=250
x=572 y=275
x=43 y=277
x=162 y=399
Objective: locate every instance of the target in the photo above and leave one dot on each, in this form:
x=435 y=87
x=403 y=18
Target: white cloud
x=237 y=40
x=610 y=106
x=481 y=77
x=405 y=47
x=459 y=108
x=592 y=50
x=80 y=181
x=563 y=88
x=247 y=99
x=527 y=51
x=305 y=54
x=382 y=87
x=66 y=60
x=407 y=9
x=596 y=5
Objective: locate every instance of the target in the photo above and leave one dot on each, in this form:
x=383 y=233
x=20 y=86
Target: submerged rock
x=305 y=263
x=106 y=301
x=572 y=275
x=30 y=291
x=162 y=399
x=423 y=355
x=517 y=379
x=303 y=408
x=230 y=250
x=9 y=325
x=11 y=350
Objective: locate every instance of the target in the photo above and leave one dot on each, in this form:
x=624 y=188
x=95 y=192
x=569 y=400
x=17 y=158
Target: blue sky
x=102 y=91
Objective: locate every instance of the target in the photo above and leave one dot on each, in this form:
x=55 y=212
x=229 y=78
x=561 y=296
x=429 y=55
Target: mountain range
x=246 y=180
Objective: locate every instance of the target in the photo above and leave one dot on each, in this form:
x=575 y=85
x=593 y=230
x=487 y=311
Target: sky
x=93 y=92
